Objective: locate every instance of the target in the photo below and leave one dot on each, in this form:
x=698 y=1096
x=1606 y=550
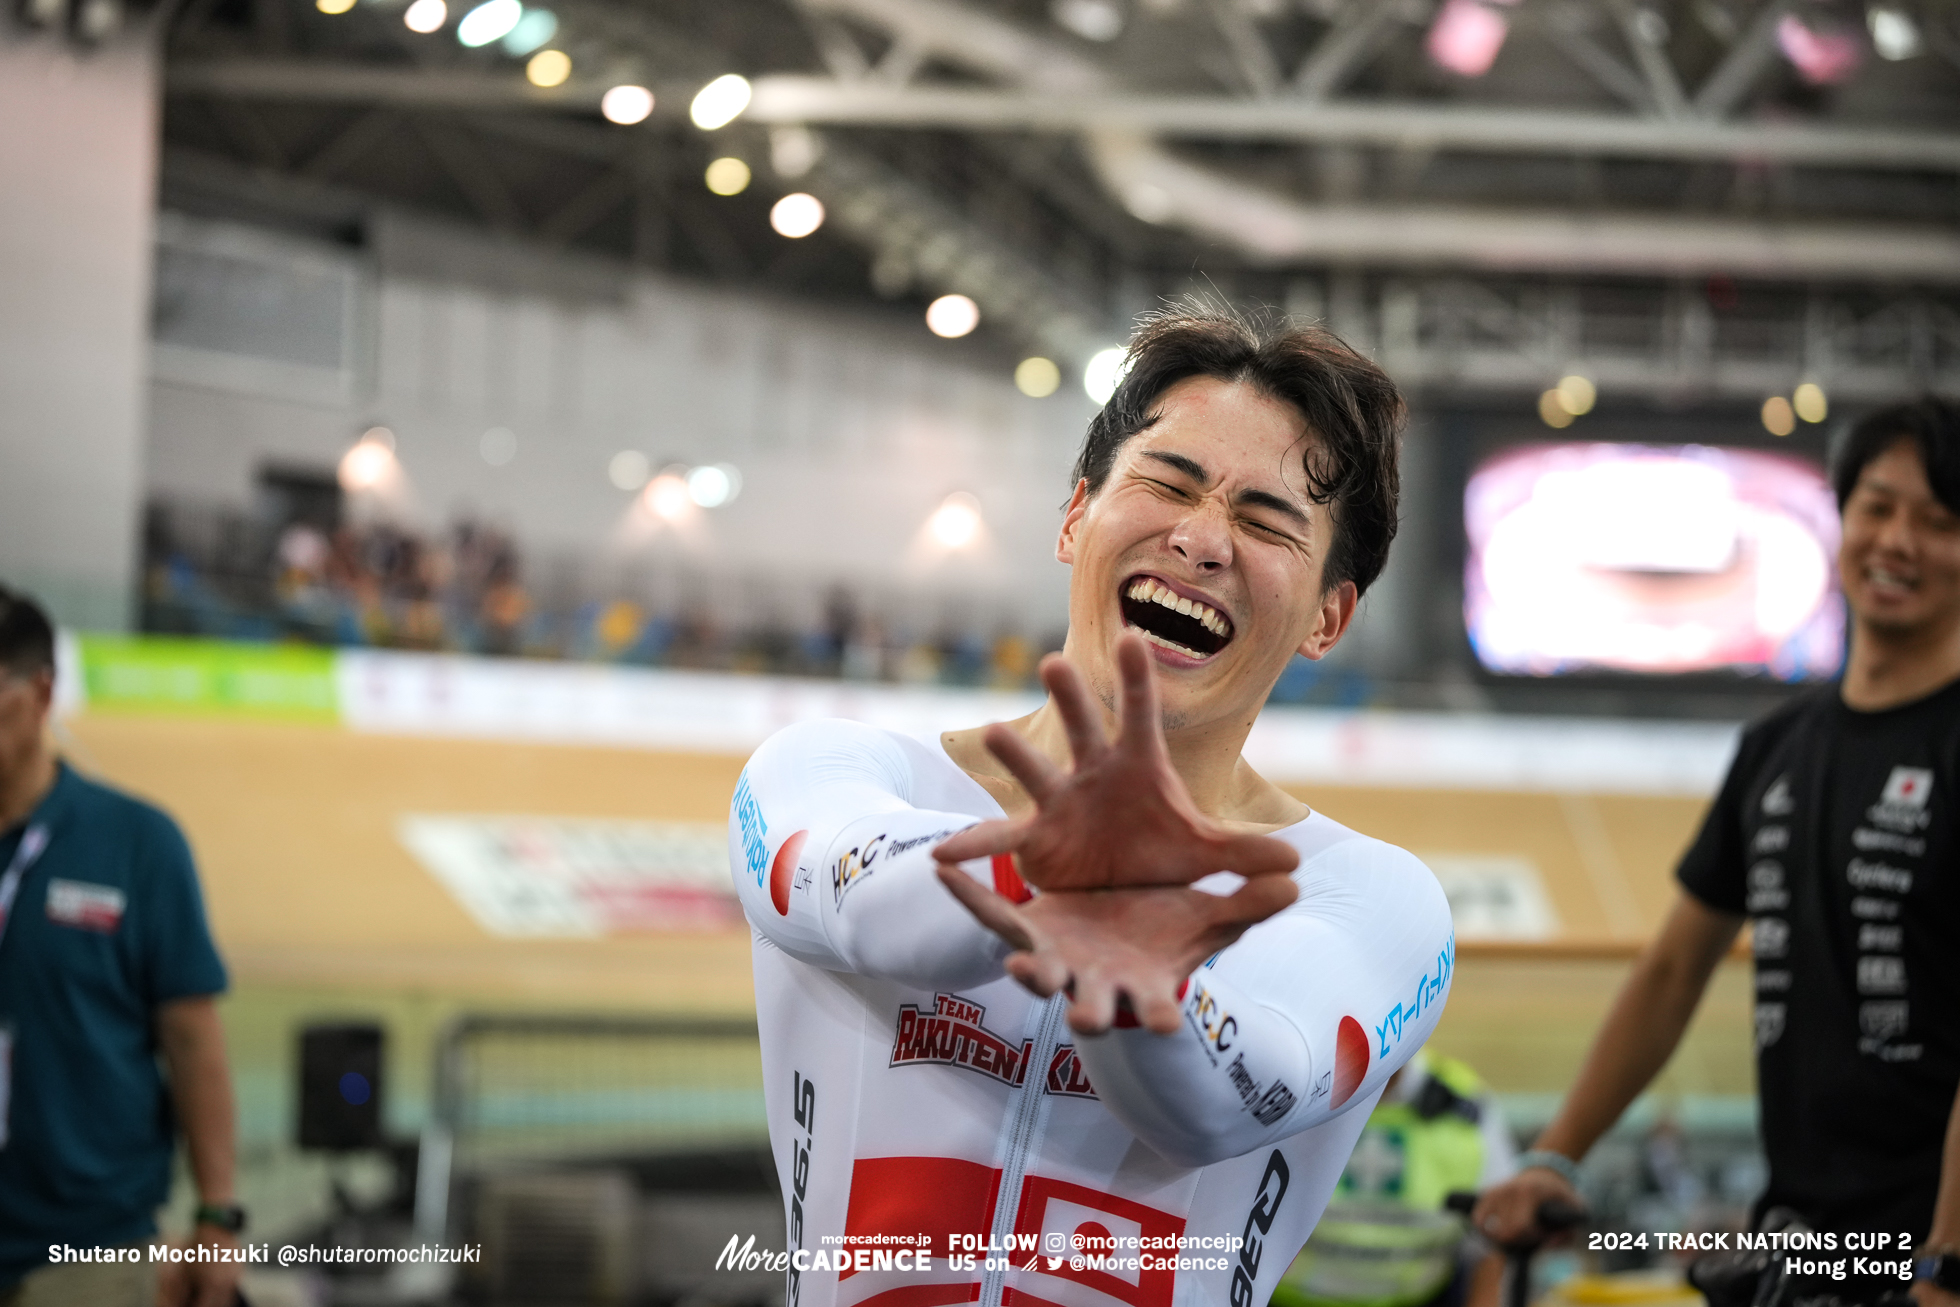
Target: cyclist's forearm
x=1644 y=1026
x=1945 y=1233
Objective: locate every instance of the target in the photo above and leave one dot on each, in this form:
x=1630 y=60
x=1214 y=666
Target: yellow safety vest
x=1385 y=1240
x=1412 y=1160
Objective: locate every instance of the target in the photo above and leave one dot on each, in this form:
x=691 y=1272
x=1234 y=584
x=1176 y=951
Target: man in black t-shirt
x=1836 y=836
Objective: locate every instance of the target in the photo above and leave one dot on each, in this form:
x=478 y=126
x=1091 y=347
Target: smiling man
x=1041 y=992
x=1834 y=834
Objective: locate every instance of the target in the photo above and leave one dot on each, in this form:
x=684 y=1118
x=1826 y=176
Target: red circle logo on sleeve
x=1350 y=1060
x=783 y=871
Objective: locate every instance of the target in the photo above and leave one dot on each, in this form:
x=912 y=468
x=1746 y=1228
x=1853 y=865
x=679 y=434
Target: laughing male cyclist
x=1085 y=985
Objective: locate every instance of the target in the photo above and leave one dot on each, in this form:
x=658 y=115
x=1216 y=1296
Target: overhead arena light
x=1894 y=35
x=370 y=464
x=628 y=469
x=425 y=16
x=727 y=176
x=1037 y=377
x=498 y=446
x=667 y=495
x=533 y=31
x=1092 y=20
x=1823 y=55
x=492 y=20
x=1577 y=394
x=713 y=484
x=1779 y=419
x=548 y=68
x=720 y=102
x=1553 y=411
x=1103 y=373
x=333 y=6
x=955 y=524
x=952 y=316
x=1467 y=35
x=796 y=215
x=1810 y=402
x=626 y=104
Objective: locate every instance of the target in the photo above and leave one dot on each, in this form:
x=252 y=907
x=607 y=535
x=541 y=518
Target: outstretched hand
x=1122 y=817
x=1105 y=945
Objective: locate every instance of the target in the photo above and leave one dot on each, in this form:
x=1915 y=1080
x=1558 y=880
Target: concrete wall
x=77 y=172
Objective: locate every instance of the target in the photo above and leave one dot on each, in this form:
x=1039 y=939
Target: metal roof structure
x=1689 y=197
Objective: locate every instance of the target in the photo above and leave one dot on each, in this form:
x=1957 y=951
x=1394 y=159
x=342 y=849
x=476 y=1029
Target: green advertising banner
x=180 y=674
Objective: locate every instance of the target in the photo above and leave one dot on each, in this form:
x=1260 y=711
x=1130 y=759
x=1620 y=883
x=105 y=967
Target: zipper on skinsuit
x=1029 y=1120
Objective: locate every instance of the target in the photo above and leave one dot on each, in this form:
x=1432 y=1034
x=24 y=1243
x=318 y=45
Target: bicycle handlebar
x=1554 y=1215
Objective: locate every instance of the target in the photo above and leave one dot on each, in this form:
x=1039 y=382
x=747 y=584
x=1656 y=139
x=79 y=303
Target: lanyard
x=33 y=843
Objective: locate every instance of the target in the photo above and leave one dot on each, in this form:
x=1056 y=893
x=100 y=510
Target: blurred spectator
x=107 y=982
x=466 y=590
x=1013 y=661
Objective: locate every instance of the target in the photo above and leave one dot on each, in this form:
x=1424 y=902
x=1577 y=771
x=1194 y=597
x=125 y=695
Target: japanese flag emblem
x=1908 y=787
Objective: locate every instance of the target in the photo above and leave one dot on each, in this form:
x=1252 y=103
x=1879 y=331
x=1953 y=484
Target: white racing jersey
x=921 y=1102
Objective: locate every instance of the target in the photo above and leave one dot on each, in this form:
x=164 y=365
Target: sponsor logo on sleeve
x=1350 y=1060
x=786 y=872
x=858 y=863
x=1770 y=937
x=1216 y=1028
x=89 y=906
x=754 y=829
x=952 y=1034
x=896 y=847
x=1267 y=1105
x=1429 y=990
x=852 y=866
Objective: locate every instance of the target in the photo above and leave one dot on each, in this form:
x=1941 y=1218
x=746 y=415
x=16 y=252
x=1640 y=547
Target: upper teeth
x=1143 y=589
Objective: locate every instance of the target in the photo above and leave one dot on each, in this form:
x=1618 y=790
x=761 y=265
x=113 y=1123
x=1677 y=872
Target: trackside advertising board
x=457 y=696
x=208 y=677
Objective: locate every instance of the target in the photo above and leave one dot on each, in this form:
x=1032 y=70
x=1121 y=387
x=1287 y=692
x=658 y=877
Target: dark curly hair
x=1931 y=422
x=1352 y=410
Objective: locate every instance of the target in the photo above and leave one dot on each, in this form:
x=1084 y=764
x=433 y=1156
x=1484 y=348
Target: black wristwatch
x=229 y=1217
x=1942 y=1268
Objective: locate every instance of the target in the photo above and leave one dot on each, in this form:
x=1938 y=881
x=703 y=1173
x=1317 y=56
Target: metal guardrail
x=542 y=1086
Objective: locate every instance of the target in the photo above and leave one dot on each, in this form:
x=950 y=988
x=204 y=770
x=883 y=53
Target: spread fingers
x=1081 y=713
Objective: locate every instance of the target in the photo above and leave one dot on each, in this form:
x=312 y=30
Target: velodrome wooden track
x=309 y=890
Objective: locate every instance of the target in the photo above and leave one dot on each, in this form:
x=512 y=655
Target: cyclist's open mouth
x=1176 y=622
